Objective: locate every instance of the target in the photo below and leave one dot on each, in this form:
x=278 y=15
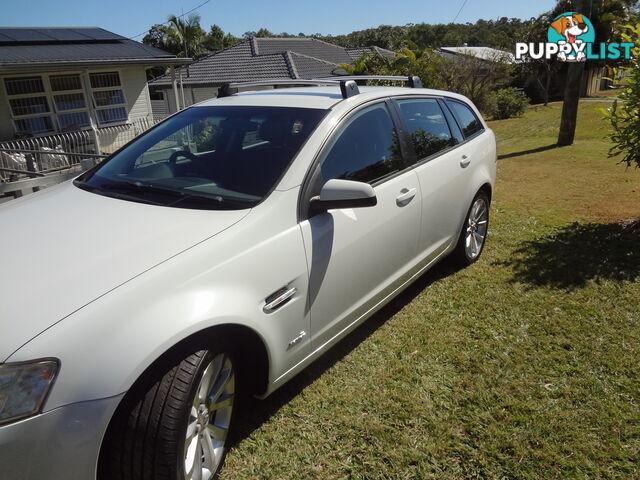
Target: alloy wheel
x=476 y=230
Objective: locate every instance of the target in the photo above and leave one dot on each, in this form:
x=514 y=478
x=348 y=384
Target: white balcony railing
x=19 y=159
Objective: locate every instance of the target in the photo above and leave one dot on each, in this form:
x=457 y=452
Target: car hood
x=64 y=247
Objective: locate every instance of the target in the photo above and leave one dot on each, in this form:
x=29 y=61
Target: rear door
x=356 y=257
x=441 y=169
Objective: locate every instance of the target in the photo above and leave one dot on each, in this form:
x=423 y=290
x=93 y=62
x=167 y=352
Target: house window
x=69 y=101
x=46 y=104
x=108 y=97
x=29 y=105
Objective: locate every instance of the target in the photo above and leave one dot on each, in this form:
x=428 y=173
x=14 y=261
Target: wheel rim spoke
x=197 y=465
x=192 y=428
x=209 y=452
x=210 y=374
x=191 y=451
x=223 y=401
x=217 y=432
x=221 y=385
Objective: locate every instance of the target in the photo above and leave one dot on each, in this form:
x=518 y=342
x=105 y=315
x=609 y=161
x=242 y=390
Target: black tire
x=462 y=255
x=147 y=438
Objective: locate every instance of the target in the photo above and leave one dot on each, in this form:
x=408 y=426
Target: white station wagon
x=218 y=254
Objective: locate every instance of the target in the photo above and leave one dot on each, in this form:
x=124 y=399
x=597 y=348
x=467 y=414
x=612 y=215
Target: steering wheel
x=181 y=153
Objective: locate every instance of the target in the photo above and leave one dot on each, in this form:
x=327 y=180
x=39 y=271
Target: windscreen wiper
x=140 y=187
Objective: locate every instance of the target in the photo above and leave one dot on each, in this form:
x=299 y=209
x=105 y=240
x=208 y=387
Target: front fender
x=105 y=346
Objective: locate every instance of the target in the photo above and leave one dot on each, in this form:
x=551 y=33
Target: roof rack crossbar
x=413 y=81
x=348 y=87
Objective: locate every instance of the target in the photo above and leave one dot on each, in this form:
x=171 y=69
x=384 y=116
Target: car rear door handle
x=406 y=195
x=465 y=161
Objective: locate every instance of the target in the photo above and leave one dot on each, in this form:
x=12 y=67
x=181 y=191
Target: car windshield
x=207 y=157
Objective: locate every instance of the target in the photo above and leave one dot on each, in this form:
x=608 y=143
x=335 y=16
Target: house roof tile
x=262 y=59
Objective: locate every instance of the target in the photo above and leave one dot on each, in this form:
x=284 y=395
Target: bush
x=506 y=103
x=624 y=117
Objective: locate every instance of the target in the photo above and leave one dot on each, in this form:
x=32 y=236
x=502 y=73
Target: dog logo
x=572 y=38
x=572 y=32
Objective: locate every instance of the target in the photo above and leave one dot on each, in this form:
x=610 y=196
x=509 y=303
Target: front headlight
x=24 y=387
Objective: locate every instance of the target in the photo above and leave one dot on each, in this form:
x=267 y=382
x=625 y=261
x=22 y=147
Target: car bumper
x=62 y=444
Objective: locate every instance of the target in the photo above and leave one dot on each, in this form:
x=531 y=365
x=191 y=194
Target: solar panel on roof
x=98 y=34
x=63 y=34
x=48 y=34
x=24 y=35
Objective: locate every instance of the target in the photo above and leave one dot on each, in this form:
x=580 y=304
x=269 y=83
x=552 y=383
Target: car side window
x=366 y=150
x=453 y=124
x=427 y=126
x=466 y=118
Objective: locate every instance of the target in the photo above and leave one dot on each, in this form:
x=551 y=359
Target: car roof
x=316 y=97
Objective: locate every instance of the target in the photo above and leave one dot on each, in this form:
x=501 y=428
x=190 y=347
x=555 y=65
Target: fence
x=20 y=159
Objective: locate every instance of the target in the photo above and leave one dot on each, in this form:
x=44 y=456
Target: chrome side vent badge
x=278 y=299
x=297 y=339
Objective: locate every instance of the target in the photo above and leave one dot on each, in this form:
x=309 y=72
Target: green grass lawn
x=525 y=365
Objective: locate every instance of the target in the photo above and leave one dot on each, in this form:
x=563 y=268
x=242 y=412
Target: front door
x=356 y=257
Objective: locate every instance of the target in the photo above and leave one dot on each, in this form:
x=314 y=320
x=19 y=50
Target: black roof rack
x=412 y=81
x=348 y=87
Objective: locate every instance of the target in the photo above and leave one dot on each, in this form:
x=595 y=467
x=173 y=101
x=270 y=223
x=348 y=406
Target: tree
x=473 y=77
x=605 y=15
x=184 y=37
x=230 y=39
x=625 y=117
x=187 y=33
x=408 y=61
x=262 y=33
x=214 y=40
x=543 y=70
x=155 y=37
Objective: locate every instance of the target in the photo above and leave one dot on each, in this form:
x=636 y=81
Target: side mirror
x=343 y=194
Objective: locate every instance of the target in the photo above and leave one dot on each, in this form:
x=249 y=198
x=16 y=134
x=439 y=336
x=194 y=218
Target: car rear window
x=468 y=121
x=427 y=126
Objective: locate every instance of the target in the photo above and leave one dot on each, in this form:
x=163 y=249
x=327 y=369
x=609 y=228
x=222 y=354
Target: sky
x=132 y=17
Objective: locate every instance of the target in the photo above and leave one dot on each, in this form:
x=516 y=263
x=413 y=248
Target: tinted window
x=427 y=126
x=453 y=125
x=207 y=157
x=366 y=150
x=466 y=118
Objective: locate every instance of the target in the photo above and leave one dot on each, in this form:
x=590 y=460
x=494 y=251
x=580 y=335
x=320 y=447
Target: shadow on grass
x=527 y=152
x=576 y=254
x=255 y=412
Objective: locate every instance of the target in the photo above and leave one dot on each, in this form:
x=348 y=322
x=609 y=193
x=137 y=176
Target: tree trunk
x=570 y=105
x=572 y=91
x=547 y=85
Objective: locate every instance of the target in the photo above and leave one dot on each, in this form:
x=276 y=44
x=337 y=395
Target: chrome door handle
x=406 y=195
x=465 y=161
x=278 y=299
